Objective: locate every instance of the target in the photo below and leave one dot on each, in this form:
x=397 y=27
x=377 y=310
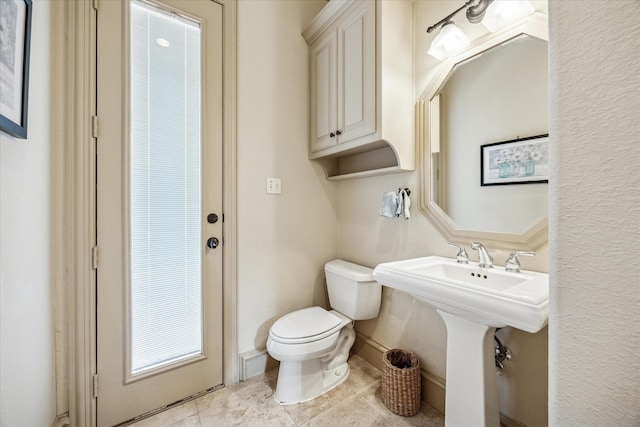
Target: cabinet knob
x=338 y=132
x=331 y=135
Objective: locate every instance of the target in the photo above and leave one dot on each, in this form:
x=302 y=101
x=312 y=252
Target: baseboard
x=255 y=362
x=433 y=387
x=61 y=421
x=507 y=421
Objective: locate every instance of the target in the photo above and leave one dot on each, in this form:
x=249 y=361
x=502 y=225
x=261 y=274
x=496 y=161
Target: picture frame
x=15 y=48
x=518 y=161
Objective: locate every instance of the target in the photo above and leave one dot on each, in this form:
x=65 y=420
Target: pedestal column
x=471 y=394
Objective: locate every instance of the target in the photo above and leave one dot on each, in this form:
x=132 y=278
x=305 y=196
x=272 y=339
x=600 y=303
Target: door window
x=165 y=188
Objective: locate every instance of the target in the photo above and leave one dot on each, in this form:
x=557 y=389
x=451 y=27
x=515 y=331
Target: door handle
x=213 y=242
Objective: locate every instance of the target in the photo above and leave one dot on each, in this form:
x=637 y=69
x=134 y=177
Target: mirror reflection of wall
x=499 y=95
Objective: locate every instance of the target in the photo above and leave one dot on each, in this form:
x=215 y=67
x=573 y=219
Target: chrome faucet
x=484 y=259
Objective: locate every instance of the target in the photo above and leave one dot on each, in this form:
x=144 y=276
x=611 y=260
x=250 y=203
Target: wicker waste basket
x=401 y=382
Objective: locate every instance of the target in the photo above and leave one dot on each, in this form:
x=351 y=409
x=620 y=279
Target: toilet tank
x=352 y=289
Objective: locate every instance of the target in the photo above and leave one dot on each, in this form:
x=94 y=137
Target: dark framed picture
x=15 y=40
x=519 y=161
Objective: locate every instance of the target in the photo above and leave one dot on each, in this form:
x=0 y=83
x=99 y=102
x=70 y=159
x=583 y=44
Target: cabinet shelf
x=376 y=158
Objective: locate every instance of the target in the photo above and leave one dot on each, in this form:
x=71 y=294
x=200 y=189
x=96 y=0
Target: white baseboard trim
x=255 y=362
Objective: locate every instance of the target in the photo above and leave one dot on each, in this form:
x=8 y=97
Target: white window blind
x=165 y=213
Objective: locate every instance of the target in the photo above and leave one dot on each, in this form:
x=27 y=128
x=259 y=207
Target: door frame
x=73 y=189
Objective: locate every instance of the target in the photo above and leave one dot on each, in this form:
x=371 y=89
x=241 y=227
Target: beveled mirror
x=493 y=92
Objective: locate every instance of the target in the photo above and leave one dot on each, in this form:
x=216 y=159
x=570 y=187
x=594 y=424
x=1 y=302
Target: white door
x=159 y=177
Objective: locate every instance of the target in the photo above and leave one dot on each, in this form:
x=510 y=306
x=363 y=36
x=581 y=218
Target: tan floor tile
x=247 y=403
x=362 y=374
x=183 y=415
x=355 y=403
x=427 y=417
x=304 y=412
x=192 y=421
x=354 y=411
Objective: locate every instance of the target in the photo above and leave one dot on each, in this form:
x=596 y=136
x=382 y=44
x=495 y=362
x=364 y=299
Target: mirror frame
x=535 y=25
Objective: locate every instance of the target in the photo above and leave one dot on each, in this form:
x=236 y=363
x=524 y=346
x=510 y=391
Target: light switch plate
x=274 y=185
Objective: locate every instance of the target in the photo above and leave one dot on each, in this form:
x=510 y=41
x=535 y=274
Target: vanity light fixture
x=450 y=40
x=494 y=14
x=501 y=13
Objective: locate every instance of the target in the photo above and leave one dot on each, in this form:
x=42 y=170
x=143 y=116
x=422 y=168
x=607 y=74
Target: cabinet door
x=323 y=92
x=356 y=68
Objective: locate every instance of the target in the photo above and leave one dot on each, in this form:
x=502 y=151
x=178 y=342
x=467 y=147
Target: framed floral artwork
x=15 y=38
x=519 y=161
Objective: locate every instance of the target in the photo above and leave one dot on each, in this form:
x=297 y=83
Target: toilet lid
x=306 y=325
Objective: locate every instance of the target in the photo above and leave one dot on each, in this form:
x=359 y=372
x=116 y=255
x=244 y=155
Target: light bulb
x=501 y=13
x=508 y=9
x=448 y=42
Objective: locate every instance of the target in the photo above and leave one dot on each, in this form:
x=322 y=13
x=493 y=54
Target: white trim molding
x=255 y=362
x=230 y=200
x=73 y=222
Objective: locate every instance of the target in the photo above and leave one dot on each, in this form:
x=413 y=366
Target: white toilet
x=313 y=344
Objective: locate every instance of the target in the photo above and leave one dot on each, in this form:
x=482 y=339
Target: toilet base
x=303 y=381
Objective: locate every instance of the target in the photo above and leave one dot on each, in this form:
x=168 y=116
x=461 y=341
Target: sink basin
x=491 y=296
x=473 y=302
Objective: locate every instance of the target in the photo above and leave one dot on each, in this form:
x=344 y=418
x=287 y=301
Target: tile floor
x=357 y=402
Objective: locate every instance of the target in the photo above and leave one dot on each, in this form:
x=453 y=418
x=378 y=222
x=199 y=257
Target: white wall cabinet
x=342 y=84
x=361 y=88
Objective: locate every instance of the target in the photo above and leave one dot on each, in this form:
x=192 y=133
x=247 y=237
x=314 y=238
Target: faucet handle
x=513 y=264
x=462 y=257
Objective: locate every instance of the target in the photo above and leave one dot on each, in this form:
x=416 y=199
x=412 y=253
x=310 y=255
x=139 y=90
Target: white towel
x=389 y=205
x=404 y=203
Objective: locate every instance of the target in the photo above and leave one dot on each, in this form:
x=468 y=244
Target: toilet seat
x=307 y=325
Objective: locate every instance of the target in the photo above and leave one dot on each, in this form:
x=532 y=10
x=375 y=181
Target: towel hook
x=406 y=190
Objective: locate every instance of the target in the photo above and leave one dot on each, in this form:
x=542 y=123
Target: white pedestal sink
x=473 y=302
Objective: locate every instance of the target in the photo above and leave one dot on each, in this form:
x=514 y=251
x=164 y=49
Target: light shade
x=448 y=42
x=501 y=13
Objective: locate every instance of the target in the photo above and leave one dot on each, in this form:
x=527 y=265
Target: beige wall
x=369 y=239
x=594 y=343
x=27 y=383
x=283 y=240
